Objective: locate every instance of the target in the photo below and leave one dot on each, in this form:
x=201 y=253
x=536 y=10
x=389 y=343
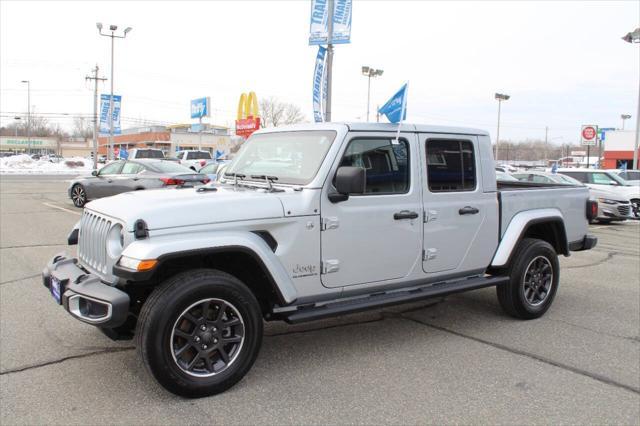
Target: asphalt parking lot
x=458 y=360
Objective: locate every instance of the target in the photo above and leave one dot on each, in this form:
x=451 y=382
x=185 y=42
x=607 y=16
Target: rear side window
x=451 y=165
x=386 y=164
x=602 y=179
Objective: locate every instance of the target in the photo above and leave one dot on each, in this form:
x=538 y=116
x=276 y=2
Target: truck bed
x=570 y=201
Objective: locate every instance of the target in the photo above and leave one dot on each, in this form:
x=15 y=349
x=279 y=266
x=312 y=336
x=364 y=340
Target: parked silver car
x=123 y=176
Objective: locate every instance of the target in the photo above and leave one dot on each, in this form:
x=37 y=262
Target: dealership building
x=618 y=149
x=171 y=139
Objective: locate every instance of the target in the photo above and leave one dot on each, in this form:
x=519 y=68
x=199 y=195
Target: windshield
x=292 y=157
x=168 y=167
x=198 y=155
x=617 y=179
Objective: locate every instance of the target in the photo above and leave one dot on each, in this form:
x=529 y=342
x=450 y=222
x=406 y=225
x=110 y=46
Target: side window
x=386 y=164
x=451 y=165
x=581 y=176
x=131 y=168
x=111 y=169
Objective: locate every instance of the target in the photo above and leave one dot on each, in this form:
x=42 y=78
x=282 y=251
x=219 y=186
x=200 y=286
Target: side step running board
x=387 y=299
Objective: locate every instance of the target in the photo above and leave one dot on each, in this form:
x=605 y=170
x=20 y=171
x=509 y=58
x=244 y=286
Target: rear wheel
x=200 y=332
x=78 y=195
x=534 y=277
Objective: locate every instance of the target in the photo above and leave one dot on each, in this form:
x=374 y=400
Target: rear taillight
x=205 y=180
x=203 y=163
x=592 y=209
x=171 y=181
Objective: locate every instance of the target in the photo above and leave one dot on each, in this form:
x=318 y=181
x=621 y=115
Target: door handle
x=136 y=179
x=109 y=180
x=405 y=214
x=468 y=210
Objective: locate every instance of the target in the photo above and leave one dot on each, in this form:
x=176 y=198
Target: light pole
x=113 y=36
x=634 y=37
x=370 y=72
x=28 y=114
x=17 y=121
x=624 y=117
x=499 y=97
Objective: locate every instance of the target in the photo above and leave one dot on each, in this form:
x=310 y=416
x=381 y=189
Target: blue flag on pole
x=554 y=168
x=396 y=108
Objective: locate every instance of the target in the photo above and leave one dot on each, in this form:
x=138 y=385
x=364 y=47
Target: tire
x=635 y=208
x=169 y=322
x=532 y=262
x=78 y=195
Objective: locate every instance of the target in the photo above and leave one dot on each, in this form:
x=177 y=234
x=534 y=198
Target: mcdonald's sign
x=248 y=118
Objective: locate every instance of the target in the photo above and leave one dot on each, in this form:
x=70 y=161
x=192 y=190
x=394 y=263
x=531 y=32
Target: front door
x=103 y=185
x=460 y=230
x=374 y=236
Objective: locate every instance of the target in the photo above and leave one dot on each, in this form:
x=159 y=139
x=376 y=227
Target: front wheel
x=78 y=195
x=635 y=208
x=200 y=332
x=534 y=273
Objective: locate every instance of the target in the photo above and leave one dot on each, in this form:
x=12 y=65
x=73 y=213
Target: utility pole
x=546 y=139
x=28 y=82
x=95 y=78
x=329 y=59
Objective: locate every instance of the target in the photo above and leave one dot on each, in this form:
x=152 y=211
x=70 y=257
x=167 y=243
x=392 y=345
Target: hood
x=612 y=195
x=177 y=207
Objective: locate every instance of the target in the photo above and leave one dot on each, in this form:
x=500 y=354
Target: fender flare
x=518 y=227
x=169 y=247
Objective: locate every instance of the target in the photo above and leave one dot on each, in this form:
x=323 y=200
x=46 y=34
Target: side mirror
x=94 y=173
x=349 y=180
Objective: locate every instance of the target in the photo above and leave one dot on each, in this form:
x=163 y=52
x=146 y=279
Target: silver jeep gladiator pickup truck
x=312 y=221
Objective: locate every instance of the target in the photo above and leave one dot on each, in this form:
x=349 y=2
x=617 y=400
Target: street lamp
x=113 y=36
x=624 y=117
x=370 y=72
x=499 y=97
x=634 y=37
x=28 y=83
x=17 y=121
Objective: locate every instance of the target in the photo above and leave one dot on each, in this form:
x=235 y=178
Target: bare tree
x=276 y=113
x=82 y=127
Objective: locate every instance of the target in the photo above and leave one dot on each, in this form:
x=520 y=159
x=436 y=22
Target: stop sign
x=589 y=132
x=589 y=135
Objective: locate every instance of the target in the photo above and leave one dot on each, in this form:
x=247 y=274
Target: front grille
x=624 y=210
x=92 y=241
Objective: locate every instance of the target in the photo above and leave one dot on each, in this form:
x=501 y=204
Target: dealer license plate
x=56 y=290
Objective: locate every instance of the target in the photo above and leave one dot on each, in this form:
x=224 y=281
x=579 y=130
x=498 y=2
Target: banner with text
x=319 y=86
x=319 y=27
x=104 y=114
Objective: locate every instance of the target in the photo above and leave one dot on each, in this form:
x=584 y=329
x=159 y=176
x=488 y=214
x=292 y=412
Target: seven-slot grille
x=92 y=241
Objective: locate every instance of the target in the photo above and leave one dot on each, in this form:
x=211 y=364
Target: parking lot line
x=62 y=208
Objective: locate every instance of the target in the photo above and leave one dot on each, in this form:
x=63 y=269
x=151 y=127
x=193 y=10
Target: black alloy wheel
x=78 y=195
x=207 y=337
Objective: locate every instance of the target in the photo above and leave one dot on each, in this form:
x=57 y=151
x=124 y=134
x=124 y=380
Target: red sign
x=588 y=133
x=246 y=126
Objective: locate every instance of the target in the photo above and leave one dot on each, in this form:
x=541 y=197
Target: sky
x=563 y=63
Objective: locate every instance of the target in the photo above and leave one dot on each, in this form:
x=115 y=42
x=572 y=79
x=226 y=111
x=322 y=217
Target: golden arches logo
x=248 y=106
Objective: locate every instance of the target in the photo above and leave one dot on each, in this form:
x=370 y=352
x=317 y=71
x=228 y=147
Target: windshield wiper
x=268 y=179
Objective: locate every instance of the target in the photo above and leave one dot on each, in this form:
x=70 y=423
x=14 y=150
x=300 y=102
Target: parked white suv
x=608 y=181
x=193 y=159
x=312 y=221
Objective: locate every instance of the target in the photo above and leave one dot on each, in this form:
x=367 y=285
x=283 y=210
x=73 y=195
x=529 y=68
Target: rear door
x=460 y=229
x=374 y=236
x=128 y=179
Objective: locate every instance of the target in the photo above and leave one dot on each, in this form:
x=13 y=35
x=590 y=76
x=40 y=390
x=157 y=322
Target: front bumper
x=84 y=295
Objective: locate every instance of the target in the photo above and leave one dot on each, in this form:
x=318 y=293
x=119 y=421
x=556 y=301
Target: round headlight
x=115 y=241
